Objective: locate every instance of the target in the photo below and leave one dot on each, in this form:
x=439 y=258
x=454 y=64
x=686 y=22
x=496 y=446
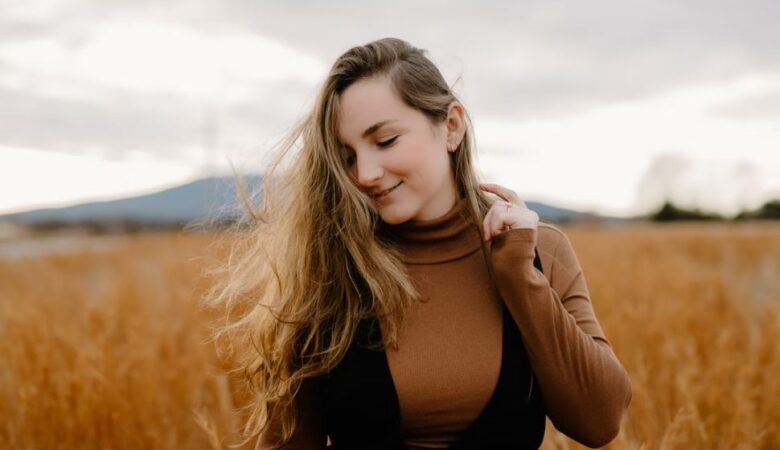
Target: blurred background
x=610 y=108
x=648 y=131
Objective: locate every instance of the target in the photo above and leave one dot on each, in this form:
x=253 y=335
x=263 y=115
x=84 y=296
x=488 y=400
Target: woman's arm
x=308 y=435
x=584 y=387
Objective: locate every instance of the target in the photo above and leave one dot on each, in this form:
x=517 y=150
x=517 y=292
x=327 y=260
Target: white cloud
x=33 y=178
x=595 y=159
x=711 y=185
x=150 y=56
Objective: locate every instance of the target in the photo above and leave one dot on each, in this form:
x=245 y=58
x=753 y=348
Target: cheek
x=427 y=175
x=427 y=157
x=419 y=162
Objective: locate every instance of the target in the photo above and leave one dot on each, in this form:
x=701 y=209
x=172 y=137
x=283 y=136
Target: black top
x=360 y=407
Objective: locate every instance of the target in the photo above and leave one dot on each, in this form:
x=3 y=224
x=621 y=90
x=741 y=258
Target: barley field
x=106 y=345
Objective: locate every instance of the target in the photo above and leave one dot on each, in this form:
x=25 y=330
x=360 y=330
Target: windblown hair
x=295 y=282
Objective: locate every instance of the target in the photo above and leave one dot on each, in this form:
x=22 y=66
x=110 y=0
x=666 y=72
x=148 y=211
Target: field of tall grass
x=108 y=348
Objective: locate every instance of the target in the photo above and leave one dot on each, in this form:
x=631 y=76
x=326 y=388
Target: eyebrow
x=372 y=129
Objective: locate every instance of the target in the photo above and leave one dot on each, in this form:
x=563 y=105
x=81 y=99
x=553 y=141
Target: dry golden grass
x=108 y=349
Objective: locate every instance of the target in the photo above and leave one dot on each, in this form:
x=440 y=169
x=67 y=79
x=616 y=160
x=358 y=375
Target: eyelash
x=387 y=143
x=383 y=144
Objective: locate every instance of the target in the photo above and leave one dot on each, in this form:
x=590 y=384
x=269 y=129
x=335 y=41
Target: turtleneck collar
x=438 y=240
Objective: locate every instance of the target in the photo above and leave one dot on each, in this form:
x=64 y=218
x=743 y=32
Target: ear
x=456 y=125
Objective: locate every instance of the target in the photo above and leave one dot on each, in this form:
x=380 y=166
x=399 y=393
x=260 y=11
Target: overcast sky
x=607 y=106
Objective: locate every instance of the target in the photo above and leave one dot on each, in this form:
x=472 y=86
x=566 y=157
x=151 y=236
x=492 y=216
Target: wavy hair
x=314 y=259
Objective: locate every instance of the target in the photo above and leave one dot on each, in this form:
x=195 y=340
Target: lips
x=385 y=192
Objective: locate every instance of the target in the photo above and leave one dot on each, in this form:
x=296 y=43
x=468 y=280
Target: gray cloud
x=117 y=123
x=517 y=58
x=581 y=54
x=114 y=120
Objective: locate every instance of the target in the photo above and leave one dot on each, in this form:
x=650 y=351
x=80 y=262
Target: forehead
x=365 y=103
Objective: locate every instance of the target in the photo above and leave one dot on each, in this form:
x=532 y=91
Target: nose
x=369 y=171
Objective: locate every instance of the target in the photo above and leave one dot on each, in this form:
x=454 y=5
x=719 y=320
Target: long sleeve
x=308 y=435
x=584 y=387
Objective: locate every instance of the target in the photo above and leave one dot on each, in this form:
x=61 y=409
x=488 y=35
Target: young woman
x=385 y=298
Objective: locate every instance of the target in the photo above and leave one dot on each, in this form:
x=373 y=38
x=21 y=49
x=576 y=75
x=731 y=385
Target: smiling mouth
x=380 y=195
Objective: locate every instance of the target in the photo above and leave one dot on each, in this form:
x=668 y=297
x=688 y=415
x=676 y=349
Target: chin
x=389 y=217
x=392 y=220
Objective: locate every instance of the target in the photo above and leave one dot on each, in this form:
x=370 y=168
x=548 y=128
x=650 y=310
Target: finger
x=488 y=220
x=491 y=187
x=485 y=224
x=497 y=221
x=497 y=189
x=491 y=226
x=505 y=193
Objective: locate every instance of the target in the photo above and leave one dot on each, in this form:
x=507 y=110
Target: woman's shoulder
x=548 y=237
x=551 y=242
x=553 y=245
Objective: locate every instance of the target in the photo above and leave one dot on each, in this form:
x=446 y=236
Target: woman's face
x=388 y=145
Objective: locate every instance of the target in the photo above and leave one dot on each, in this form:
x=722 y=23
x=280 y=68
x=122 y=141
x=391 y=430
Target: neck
x=447 y=237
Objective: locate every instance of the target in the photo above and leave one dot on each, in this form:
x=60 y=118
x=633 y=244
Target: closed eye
x=388 y=142
x=384 y=144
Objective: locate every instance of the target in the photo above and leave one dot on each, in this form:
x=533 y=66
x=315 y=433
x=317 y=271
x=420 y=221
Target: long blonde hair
x=290 y=286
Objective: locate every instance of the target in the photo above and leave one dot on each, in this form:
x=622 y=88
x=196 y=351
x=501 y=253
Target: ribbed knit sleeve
x=584 y=387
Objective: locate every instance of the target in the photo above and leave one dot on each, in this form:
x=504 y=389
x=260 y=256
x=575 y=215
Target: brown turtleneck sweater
x=449 y=348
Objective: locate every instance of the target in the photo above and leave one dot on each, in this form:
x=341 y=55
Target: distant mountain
x=195 y=200
x=209 y=197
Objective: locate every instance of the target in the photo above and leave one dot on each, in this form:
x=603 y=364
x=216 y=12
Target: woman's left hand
x=507 y=213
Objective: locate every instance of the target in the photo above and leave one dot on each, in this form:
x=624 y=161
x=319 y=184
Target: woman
x=386 y=300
